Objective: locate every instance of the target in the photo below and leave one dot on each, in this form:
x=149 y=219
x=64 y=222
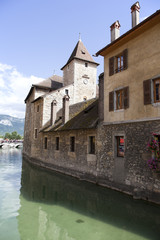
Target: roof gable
x=80 y=52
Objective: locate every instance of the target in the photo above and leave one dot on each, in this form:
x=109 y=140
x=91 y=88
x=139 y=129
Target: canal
x=40 y=205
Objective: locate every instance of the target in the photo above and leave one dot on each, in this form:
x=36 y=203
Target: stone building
x=102 y=140
x=131 y=106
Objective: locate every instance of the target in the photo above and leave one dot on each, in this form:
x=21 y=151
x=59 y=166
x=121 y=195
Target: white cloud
x=14 y=87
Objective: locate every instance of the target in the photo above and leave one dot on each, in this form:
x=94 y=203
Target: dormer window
x=86 y=64
x=83 y=52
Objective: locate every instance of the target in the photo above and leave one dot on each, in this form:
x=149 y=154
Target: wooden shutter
x=126 y=97
x=111 y=101
x=147 y=91
x=111 y=66
x=125 y=59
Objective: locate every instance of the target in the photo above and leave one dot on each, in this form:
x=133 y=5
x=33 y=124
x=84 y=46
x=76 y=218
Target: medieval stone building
x=103 y=140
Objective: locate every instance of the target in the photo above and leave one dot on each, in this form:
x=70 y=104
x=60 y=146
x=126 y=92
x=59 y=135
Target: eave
x=132 y=33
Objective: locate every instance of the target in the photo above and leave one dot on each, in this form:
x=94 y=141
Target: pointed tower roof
x=80 y=52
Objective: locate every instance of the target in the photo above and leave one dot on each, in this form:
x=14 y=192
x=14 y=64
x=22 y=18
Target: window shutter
x=111 y=66
x=147 y=91
x=125 y=59
x=111 y=101
x=126 y=97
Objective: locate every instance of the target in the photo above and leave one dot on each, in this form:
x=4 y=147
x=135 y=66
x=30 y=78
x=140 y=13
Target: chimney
x=65 y=111
x=135 y=14
x=53 y=112
x=101 y=97
x=115 y=30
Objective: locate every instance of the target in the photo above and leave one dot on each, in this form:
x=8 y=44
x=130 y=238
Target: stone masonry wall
x=130 y=174
x=58 y=96
x=78 y=163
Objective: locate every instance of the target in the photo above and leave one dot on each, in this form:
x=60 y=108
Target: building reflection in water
x=56 y=205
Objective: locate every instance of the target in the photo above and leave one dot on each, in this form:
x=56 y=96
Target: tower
x=81 y=70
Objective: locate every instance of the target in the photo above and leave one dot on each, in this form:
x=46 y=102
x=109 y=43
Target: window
x=151 y=90
x=86 y=64
x=37 y=108
x=45 y=143
x=156 y=87
x=119 y=99
x=66 y=92
x=120 y=146
x=157 y=138
x=57 y=143
x=91 y=144
x=35 y=133
x=118 y=63
x=72 y=144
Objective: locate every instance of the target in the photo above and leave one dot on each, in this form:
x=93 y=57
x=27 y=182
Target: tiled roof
x=80 y=52
x=53 y=82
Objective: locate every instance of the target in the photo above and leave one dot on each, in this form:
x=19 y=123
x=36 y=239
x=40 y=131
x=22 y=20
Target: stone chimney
x=53 y=112
x=115 y=30
x=135 y=14
x=65 y=110
x=101 y=97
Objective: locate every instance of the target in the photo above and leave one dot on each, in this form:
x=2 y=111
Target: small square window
x=57 y=143
x=72 y=144
x=86 y=64
x=91 y=144
x=120 y=146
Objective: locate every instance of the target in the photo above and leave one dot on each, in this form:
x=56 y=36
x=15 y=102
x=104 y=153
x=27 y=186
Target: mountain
x=10 y=124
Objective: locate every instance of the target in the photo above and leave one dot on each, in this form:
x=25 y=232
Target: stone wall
x=78 y=163
x=85 y=81
x=130 y=174
x=58 y=96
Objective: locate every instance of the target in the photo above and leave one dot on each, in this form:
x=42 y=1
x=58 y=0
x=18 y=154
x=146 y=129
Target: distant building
x=102 y=140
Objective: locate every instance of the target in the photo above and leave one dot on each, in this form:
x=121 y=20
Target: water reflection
x=54 y=206
x=10 y=174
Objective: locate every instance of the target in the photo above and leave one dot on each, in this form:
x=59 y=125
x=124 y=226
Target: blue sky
x=38 y=36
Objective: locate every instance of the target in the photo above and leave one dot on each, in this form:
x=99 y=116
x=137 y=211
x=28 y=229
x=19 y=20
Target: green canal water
x=40 y=205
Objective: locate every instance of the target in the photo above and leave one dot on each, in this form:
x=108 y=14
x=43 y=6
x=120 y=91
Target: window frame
x=57 y=145
x=118 y=154
x=154 y=90
x=119 y=61
x=35 y=133
x=91 y=144
x=45 y=143
x=38 y=108
x=119 y=105
x=72 y=143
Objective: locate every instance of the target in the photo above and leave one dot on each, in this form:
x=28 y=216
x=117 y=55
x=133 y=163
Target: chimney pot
x=115 y=30
x=135 y=8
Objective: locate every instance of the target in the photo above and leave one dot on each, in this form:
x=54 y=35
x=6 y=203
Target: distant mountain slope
x=10 y=124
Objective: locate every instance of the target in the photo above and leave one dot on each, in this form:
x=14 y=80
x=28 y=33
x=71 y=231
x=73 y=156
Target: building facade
x=103 y=140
